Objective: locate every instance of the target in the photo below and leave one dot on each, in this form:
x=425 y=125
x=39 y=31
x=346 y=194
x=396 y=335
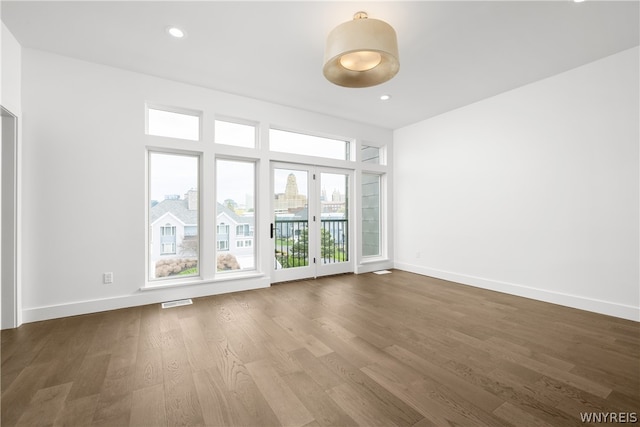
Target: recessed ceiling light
x=578 y=1
x=385 y=97
x=176 y=32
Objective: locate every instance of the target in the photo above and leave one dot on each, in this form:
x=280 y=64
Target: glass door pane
x=334 y=218
x=335 y=227
x=290 y=229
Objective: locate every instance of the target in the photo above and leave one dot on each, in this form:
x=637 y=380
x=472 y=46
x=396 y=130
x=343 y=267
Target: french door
x=311 y=224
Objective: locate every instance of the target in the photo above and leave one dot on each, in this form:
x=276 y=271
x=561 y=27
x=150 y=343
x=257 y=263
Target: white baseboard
x=140 y=298
x=623 y=311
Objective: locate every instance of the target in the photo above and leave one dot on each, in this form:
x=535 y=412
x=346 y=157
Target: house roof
x=234 y=216
x=178 y=207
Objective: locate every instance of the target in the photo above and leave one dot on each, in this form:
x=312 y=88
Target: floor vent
x=382 y=272
x=178 y=303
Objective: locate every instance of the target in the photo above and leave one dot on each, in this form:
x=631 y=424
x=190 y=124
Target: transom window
x=173 y=123
x=308 y=145
x=236 y=134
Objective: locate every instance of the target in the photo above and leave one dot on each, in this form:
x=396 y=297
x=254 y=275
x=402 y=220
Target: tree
x=327 y=244
x=189 y=245
x=231 y=204
x=300 y=249
x=301 y=246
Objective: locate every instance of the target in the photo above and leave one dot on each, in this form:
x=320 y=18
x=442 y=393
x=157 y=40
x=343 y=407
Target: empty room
x=320 y=213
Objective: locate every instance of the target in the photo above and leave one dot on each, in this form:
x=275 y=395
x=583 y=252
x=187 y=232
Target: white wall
x=10 y=98
x=84 y=180
x=533 y=192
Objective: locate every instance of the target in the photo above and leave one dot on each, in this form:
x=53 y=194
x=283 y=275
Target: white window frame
x=263 y=157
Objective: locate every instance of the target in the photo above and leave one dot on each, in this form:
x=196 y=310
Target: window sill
x=222 y=277
x=373 y=260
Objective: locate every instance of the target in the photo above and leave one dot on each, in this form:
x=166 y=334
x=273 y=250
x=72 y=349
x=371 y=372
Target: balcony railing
x=292 y=242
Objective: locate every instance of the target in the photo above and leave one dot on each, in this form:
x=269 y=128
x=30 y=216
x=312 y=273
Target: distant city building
x=291 y=200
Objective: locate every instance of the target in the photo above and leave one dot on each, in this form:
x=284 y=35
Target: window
x=168 y=239
x=168 y=249
x=237 y=134
x=371 y=233
x=172 y=124
x=370 y=154
x=168 y=230
x=298 y=143
x=235 y=181
x=173 y=215
x=244 y=230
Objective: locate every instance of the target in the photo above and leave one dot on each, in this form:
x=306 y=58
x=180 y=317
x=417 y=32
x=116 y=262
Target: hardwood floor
x=374 y=350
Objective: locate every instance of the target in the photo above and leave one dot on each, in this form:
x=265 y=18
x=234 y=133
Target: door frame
x=317 y=268
x=9 y=309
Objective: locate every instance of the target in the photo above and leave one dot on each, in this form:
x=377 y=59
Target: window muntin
x=236 y=134
x=308 y=145
x=167 y=123
x=371 y=218
x=173 y=215
x=235 y=217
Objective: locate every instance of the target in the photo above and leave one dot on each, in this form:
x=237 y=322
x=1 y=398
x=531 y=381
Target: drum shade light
x=361 y=53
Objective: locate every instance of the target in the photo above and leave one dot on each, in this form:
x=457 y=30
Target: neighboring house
x=174 y=231
x=235 y=233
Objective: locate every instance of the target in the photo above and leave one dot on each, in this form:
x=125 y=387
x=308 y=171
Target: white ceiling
x=451 y=53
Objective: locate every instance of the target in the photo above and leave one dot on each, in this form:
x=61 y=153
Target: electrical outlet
x=107 y=278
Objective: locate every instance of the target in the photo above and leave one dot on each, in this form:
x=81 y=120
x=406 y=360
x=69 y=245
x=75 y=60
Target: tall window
x=371 y=233
x=173 y=215
x=235 y=216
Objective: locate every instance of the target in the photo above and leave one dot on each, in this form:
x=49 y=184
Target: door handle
x=272 y=230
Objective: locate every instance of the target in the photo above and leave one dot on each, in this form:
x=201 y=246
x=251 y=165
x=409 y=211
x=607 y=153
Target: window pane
x=235 y=134
x=334 y=218
x=235 y=217
x=370 y=154
x=298 y=143
x=291 y=212
x=370 y=215
x=173 y=215
x=173 y=125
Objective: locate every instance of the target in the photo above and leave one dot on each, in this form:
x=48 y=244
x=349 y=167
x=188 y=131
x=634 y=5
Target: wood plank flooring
x=371 y=350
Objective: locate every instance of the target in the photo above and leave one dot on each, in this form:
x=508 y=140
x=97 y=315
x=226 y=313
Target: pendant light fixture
x=361 y=53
